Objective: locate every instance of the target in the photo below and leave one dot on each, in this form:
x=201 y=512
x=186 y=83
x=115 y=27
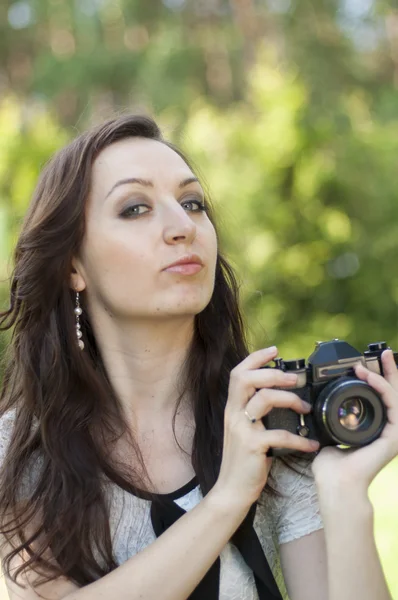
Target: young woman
x=133 y=452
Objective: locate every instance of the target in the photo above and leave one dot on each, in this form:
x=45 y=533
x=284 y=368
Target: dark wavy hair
x=63 y=401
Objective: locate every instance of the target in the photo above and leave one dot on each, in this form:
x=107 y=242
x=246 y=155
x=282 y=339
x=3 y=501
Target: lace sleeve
x=6 y=426
x=297 y=511
x=31 y=471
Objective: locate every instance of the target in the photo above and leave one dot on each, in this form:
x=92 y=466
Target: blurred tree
x=311 y=221
x=290 y=108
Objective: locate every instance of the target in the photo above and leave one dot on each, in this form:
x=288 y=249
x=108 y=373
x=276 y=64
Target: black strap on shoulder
x=165 y=512
x=248 y=544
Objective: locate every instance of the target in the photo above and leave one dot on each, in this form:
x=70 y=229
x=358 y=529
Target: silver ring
x=251 y=419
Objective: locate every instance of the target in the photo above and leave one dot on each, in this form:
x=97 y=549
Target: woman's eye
x=193 y=205
x=135 y=211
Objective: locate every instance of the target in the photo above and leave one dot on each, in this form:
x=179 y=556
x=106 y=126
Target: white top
x=277 y=521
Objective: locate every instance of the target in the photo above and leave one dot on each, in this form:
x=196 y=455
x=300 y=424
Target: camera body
x=345 y=411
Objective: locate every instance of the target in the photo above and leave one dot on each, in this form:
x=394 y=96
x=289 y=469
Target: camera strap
x=166 y=512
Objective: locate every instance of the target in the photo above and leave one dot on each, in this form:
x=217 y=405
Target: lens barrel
x=349 y=412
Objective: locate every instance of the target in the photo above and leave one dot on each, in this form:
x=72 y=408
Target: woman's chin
x=181 y=308
x=180 y=303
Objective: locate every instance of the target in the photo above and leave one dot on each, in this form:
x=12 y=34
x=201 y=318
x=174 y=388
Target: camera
x=345 y=411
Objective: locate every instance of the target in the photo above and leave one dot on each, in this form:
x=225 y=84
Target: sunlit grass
x=384 y=496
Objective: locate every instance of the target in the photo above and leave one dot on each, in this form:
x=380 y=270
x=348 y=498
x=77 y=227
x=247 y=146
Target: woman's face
x=144 y=213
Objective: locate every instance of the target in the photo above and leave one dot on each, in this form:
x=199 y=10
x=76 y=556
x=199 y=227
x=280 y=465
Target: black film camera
x=346 y=411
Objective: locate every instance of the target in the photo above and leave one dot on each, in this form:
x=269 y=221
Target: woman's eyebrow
x=143 y=182
x=147 y=183
x=188 y=181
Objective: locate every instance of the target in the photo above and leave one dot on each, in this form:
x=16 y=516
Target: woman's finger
x=257 y=359
x=380 y=384
x=244 y=384
x=265 y=400
x=281 y=438
x=390 y=368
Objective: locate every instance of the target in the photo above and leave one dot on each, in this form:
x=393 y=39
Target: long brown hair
x=63 y=401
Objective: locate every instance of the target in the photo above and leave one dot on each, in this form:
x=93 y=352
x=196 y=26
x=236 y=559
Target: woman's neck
x=144 y=363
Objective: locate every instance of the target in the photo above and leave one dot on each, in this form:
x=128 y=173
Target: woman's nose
x=179 y=227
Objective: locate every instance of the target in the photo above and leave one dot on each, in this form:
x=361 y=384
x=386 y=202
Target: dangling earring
x=78 y=311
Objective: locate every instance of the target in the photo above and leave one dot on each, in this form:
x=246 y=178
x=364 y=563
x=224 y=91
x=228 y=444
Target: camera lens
x=351 y=413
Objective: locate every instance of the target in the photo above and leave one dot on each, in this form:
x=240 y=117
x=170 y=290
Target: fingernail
x=306 y=405
x=272 y=349
x=314 y=444
x=291 y=377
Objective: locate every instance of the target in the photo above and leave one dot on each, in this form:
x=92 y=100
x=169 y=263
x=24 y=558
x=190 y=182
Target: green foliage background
x=288 y=108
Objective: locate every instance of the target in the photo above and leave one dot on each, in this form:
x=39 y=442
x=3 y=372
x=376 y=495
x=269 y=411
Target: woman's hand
x=358 y=467
x=245 y=467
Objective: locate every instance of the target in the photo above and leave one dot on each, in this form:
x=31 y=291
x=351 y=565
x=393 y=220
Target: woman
x=134 y=455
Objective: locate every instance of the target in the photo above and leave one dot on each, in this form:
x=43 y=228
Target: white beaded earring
x=78 y=311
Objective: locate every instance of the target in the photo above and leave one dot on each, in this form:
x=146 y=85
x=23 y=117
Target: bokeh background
x=289 y=109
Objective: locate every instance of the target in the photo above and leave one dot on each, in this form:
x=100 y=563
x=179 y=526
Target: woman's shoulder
x=7 y=421
x=32 y=468
x=294 y=508
x=290 y=475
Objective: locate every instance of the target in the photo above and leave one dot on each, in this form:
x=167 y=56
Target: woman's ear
x=76 y=282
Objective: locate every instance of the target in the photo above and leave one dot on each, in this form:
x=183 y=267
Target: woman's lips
x=185 y=268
